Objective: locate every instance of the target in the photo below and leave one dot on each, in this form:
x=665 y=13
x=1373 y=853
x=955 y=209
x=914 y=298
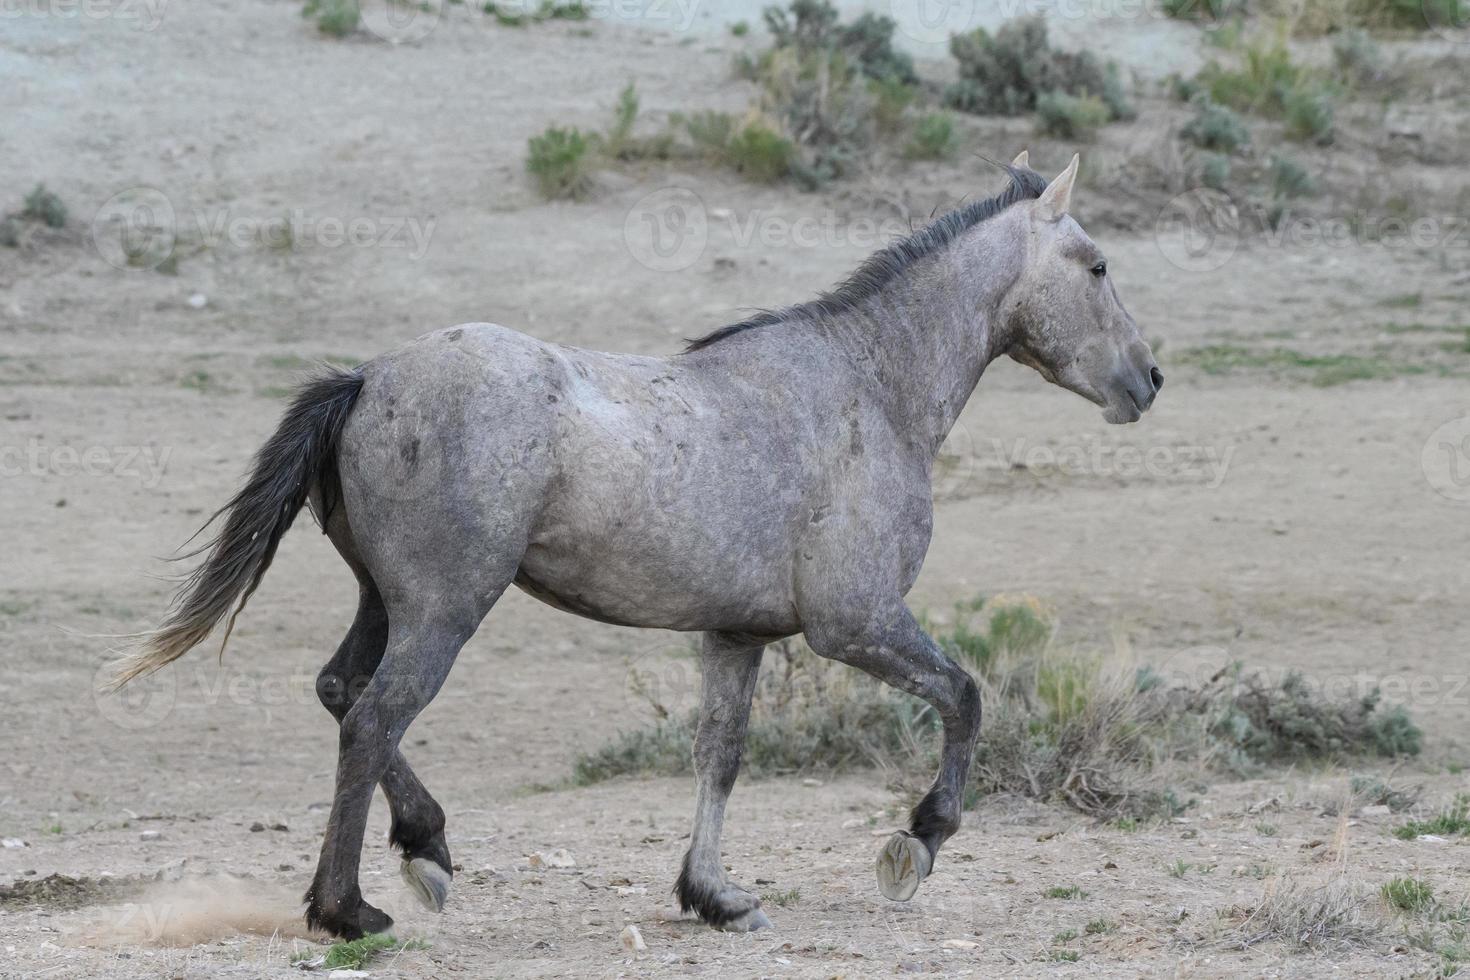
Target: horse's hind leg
x=423 y=640
x=729 y=666
x=888 y=643
x=417 y=828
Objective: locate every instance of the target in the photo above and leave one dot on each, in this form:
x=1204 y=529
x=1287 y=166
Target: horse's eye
x=1100 y=270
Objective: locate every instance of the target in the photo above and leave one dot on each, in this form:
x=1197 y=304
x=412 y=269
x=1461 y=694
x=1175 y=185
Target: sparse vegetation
x=1308 y=915
x=44 y=206
x=1008 y=73
x=1452 y=821
x=1065 y=892
x=1070 y=117
x=1101 y=927
x=1059 y=726
x=934 y=138
x=1408 y=894
x=335 y=18
x=1321 y=370
x=1215 y=127
x=1267 y=82
x=558 y=160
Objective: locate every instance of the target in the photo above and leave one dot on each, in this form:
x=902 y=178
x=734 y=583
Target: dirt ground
x=1251 y=516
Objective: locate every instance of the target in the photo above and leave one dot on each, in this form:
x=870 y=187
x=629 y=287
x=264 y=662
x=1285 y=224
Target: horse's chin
x=1121 y=414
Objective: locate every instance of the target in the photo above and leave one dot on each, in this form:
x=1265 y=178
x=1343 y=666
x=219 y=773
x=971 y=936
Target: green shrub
x=1408 y=894
x=1071 y=117
x=1357 y=57
x=1309 y=115
x=337 y=18
x=761 y=154
x=1215 y=127
x=709 y=131
x=1215 y=171
x=812 y=26
x=1453 y=821
x=1009 y=72
x=740 y=28
x=822 y=98
x=1203 y=9
x=558 y=161
x=1290 y=179
x=44 y=206
x=934 y=138
x=891 y=99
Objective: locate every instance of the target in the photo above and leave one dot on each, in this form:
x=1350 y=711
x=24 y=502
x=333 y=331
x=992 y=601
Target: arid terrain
x=1257 y=514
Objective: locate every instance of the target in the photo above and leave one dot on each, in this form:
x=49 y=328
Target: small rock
x=960 y=944
x=811 y=782
x=257 y=827
x=633 y=940
x=347 y=974
x=854 y=823
x=559 y=858
x=199 y=301
x=150 y=835
x=10 y=842
x=279 y=826
x=1377 y=810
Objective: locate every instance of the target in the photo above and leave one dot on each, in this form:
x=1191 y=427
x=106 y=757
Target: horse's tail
x=302 y=454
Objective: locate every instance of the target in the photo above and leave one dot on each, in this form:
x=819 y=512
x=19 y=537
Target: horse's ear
x=1057 y=198
x=1023 y=159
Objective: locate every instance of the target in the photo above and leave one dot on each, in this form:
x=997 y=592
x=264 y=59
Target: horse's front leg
x=886 y=641
x=729 y=666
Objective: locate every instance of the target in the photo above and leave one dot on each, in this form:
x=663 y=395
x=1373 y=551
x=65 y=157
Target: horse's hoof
x=750 y=921
x=902 y=865
x=371 y=921
x=428 y=882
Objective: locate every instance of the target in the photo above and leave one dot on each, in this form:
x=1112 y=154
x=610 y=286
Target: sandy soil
x=1285 y=525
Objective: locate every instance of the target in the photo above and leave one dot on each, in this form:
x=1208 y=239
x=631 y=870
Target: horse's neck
x=927 y=337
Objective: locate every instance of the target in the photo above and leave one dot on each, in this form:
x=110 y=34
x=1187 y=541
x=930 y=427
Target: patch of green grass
x=335 y=18
x=1322 y=370
x=1064 y=956
x=1127 y=825
x=200 y=381
x=934 y=138
x=558 y=160
x=1453 y=821
x=1269 y=83
x=1267 y=829
x=44 y=206
x=782 y=899
x=1178 y=869
x=1068 y=892
x=1065 y=936
x=1403 y=301
x=1408 y=894
x=357 y=953
x=1100 y=927
x=740 y=28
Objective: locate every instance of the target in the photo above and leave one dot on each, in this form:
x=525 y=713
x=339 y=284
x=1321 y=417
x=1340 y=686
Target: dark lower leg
x=418 y=657
x=729 y=668
x=417 y=827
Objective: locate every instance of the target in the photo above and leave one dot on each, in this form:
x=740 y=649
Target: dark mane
x=882 y=267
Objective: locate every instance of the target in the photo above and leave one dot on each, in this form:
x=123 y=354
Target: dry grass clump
x=1303 y=914
x=1093 y=732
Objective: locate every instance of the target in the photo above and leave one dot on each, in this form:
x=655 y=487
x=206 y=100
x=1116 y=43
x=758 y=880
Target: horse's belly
x=664 y=577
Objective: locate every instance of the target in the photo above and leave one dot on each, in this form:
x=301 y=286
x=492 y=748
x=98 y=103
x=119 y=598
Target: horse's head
x=1065 y=319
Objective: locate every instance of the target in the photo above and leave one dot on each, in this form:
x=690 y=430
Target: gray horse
x=773 y=479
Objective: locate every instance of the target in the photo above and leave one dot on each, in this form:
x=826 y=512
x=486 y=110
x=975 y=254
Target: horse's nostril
x=1157 y=377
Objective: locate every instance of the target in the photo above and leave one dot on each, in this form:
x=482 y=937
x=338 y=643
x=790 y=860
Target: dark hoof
x=361 y=920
